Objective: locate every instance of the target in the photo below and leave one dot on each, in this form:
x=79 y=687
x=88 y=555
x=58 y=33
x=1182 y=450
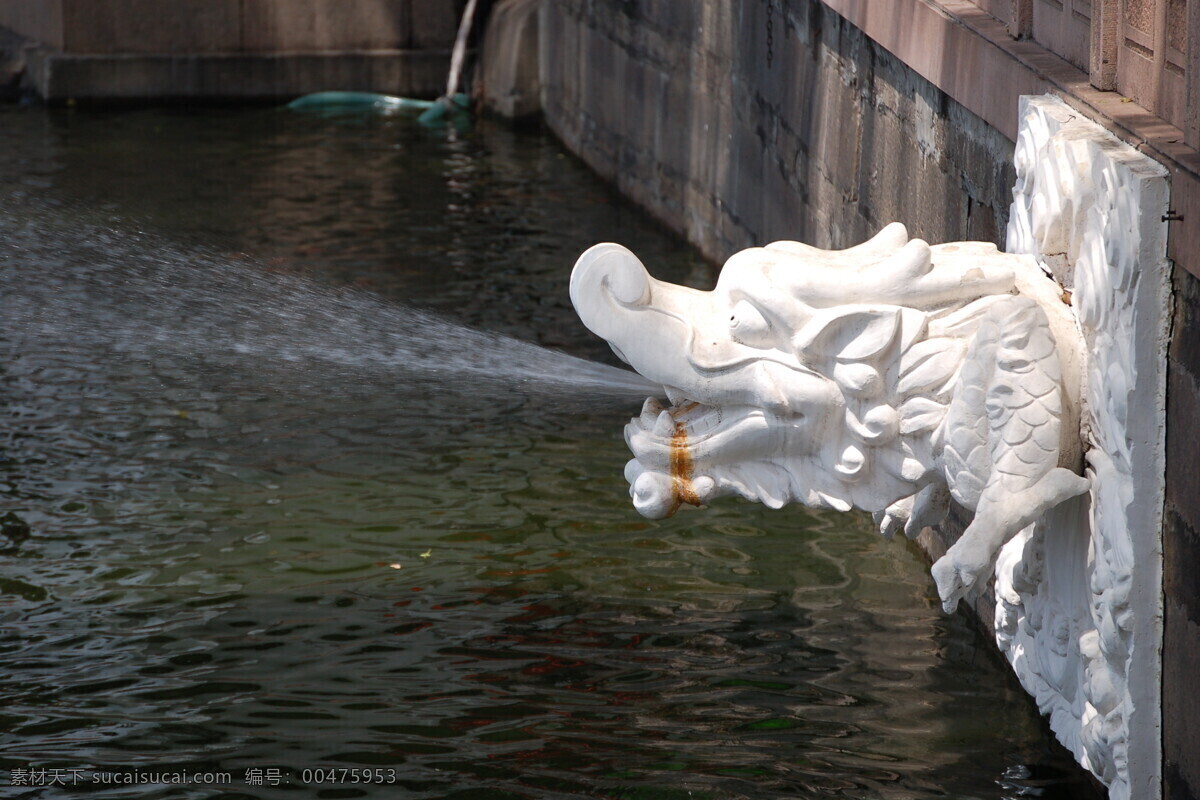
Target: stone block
x=837 y=135
x=435 y=23
x=670 y=15
x=984 y=222
x=827 y=228
x=1181 y=704
x=273 y=26
x=607 y=73
x=558 y=73
x=1184 y=240
x=680 y=116
x=749 y=60
x=1183 y=442
x=258 y=77
x=637 y=99
x=784 y=212
x=716 y=30
x=510 y=81
x=935 y=207
x=743 y=193
x=983 y=155
x=143 y=27
x=798 y=107
x=1181 y=553
x=12 y=64
x=890 y=162
x=40 y=21
x=1185 y=337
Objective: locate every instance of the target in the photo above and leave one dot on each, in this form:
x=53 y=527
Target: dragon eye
x=747 y=325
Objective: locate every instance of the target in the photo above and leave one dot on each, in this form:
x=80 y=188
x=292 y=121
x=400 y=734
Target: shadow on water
x=292 y=483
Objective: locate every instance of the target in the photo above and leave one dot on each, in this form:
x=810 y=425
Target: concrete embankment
x=111 y=50
x=740 y=123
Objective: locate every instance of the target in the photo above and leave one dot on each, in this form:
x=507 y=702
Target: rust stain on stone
x=681 y=460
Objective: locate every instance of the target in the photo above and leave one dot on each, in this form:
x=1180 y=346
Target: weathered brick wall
x=737 y=126
x=1181 y=550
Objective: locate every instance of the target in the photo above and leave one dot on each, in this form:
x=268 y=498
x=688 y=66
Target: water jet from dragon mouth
x=150 y=302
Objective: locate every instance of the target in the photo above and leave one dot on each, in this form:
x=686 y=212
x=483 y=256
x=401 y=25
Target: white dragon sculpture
x=888 y=377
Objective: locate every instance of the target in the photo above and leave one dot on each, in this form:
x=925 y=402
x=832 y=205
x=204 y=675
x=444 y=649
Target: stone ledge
x=509 y=80
x=12 y=63
x=59 y=77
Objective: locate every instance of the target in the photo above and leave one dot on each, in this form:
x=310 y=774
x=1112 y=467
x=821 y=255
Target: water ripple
x=291 y=480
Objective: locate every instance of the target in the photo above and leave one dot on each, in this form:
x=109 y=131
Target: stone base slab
x=58 y=77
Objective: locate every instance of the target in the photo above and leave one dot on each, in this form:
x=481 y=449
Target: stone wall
x=507 y=79
x=1181 y=549
x=223 y=49
x=790 y=124
x=41 y=21
x=128 y=27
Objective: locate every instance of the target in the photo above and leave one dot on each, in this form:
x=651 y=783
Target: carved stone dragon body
x=888 y=377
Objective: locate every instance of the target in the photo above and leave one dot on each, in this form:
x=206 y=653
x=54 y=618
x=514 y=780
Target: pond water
x=298 y=487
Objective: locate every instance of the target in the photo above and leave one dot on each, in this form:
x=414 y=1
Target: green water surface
x=330 y=576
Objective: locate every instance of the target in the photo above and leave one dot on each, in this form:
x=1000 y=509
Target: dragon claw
x=954 y=580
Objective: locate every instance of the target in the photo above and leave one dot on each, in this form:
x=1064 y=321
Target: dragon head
x=805 y=375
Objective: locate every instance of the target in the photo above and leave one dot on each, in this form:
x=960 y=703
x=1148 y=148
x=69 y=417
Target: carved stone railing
x=895 y=376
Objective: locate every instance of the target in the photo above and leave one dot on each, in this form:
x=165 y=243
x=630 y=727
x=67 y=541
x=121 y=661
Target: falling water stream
x=310 y=484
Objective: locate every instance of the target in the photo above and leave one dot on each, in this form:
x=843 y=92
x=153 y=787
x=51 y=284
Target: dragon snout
x=609 y=269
